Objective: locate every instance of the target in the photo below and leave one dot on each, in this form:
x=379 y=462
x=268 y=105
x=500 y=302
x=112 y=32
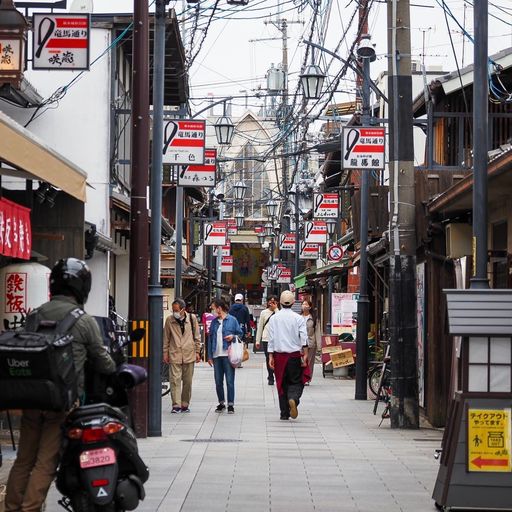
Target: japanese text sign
x=308 y=251
x=363 y=148
x=232 y=227
x=315 y=232
x=200 y=175
x=15 y=230
x=226 y=264
x=326 y=206
x=184 y=142
x=215 y=233
x=15 y=292
x=287 y=242
x=61 y=41
x=489 y=440
x=285 y=276
x=10 y=54
x=225 y=249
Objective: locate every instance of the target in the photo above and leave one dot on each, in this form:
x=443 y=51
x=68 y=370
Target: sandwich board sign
x=326 y=206
x=61 y=41
x=200 y=175
x=215 y=233
x=308 y=251
x=363 y=147
x=287 y=242
x=315 y=232
x=184 y=142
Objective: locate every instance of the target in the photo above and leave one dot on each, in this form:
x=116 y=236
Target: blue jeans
x=221 y=368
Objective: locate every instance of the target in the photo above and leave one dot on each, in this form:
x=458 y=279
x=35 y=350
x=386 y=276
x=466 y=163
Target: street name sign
x=308 y=251
x=335 y=253
x=61 y=41
x=315 y=232
x=225 y=249
x=326 y=206
x=184 y=142
x=200 y=175
x=215 y=233
x=285 y=276
x=287 y=242
x=226 y=264
x=363 y=147
x=232 y=227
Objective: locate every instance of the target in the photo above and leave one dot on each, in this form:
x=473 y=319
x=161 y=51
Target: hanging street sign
x=326 y=206
x=489 y=440
x=363 y=148
x=285 y=276
x=308 y=251
x=61 y=41
x=259 y=229
x=215 y=233
x=335 y=253
x=200 y=175
x=287 y=242
x=315 y=232
x=232 y=227
x=184 y=142
x=226 y=264
x=226 y=249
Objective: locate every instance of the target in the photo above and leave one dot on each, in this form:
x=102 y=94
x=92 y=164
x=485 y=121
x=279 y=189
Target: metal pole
x=179 y=242
x=210 y=255
x=138 y=275
x=363 y=303
x=219 y=255
x=297 y=241
x=480 y=142
x=155 y=290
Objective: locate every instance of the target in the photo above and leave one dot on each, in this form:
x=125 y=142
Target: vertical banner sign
x=200 y=175
x=363 y=148
x=325 y=206
x=215 y=233
x=315 y=232
x=232 y=227
x=15 y=230
x=184 y=143
x=489 y=440
x=287 y=242
x=285 y=277
x=226 y=264
x=61 y=41
x=308 y=251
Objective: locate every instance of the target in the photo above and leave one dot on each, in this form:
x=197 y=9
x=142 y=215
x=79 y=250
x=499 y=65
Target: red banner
x=15 y=230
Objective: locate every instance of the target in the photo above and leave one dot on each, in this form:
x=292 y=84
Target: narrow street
x=334 y=457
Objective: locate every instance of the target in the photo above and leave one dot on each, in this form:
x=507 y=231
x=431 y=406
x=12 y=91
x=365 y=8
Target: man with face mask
x=182 y=347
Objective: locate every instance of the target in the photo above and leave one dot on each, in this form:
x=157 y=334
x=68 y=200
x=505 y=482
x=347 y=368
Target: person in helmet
x=40 y=432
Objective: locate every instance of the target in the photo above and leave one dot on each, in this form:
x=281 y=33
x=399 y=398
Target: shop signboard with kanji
x=232 y=227
x=15 y=230
x=363 y=147
x=61 y=41
x=315 y=232
x=326 y=206
x=287 y=242
x=215 y=233
x=285 y=276
x=489 y=440
x=225 y=249
x=308 y=251
x=200 y=175
x=226 y=264
x=184 y=142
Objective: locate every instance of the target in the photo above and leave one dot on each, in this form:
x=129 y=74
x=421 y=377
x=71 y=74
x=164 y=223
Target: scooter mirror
x=137 y=334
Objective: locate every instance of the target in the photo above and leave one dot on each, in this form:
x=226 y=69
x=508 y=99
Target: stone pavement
x=334 y=457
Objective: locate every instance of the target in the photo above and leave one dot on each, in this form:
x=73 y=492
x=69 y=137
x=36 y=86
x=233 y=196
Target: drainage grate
x=211 y=440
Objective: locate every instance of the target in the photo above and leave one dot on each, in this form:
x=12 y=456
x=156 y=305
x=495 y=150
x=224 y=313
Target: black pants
x=292 y=385
x=269 y=370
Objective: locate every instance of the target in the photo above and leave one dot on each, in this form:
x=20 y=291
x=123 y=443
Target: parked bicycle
x=382 y=375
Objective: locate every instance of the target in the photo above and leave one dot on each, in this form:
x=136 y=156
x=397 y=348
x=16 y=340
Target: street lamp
x=312 y=81
x=331 y=226
x=13 y=36
x=272 y=207
x=239 y=219
x=224 y=129
x=269 y=229
x=261 y=238
x=240 y=190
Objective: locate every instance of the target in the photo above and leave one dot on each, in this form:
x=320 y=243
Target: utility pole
x=178 y=265
x=155 y=289
x=138 y=280
x=402 y=283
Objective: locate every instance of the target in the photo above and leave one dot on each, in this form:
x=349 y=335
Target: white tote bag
x=236 y=352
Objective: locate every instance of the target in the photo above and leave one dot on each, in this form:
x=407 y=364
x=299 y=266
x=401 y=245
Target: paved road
x=334 y=457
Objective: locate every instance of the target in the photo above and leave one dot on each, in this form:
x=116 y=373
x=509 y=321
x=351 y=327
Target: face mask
x=177 y=315
x=306 y=308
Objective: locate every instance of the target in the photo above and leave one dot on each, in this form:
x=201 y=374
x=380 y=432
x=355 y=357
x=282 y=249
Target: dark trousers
x=269 y=370
x=292 y=385
x=222 y=368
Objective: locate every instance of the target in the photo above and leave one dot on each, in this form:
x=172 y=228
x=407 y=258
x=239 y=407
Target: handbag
x=236 y=352
x=246 y=354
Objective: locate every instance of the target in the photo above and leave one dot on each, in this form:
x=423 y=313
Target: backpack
x=37 y=370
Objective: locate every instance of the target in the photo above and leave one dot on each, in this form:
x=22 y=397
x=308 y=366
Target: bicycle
x=164 y=373
x=383 y=392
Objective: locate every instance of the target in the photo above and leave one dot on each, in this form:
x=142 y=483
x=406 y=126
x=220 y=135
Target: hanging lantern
x=240 y=190
x=312 y=82
x=261 y=238
x=239 y=220
x=269 y=229
x=224 y=129
x=272 y=207
x=331 y=226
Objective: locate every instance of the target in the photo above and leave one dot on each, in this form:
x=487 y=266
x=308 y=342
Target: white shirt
x=287 y=332
x=219 y=349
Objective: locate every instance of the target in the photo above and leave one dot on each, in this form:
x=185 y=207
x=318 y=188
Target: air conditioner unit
x=458 y=240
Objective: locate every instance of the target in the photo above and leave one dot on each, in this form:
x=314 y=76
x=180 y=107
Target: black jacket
x=241 y=313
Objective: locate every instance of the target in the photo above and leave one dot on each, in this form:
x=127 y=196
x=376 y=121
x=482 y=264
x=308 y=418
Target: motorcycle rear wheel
x=81 y=502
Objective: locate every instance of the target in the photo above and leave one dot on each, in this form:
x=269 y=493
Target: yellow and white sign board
x=489 y=440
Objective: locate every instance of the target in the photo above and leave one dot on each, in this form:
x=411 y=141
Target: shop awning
x=326 y=270
x=31 y=158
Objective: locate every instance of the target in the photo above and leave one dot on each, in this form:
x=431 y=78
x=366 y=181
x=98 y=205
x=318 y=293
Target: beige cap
x=287 y=298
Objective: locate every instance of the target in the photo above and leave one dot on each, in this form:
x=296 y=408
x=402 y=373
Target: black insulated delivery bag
x=36 y=365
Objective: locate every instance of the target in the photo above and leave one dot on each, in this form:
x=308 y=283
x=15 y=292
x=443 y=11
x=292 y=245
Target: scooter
x=101 y=469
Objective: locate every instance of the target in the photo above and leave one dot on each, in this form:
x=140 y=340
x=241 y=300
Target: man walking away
x=288 y=355
x=182 y=349
x=241 y=312
x=262 y=332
